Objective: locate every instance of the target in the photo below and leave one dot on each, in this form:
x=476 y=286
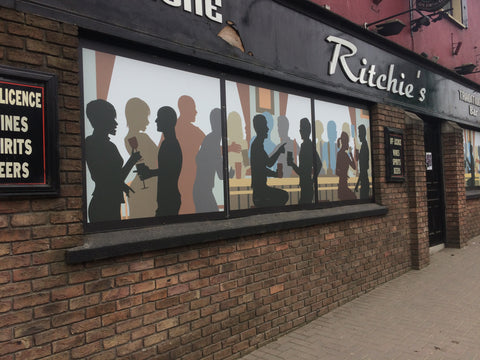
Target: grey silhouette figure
x=105 y=163
x=290 y=145
x=332 y=136
x=169 y=165
x=363 y=162
x=209 y=162
x=264 y=195
x=309 y=163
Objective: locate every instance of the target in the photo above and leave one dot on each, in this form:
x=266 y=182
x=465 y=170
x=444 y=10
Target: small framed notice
x=28 y=133
x=394 y=149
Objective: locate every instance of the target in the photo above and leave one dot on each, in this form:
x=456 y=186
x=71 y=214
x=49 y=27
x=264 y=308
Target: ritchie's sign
x=391 y=81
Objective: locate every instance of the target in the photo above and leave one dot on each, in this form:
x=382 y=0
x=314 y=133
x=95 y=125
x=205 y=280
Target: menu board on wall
x=394 y=149
x=28 y=146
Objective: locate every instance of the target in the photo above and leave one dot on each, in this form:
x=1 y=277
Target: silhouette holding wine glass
x=169 y=165
x=133 y=142
x=106 y=164
x=345 y=160
x=142 y=204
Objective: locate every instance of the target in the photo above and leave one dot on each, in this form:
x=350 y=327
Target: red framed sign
x=28 y=133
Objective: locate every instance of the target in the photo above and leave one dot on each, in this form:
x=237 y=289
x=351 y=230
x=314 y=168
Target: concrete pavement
x=433 y=313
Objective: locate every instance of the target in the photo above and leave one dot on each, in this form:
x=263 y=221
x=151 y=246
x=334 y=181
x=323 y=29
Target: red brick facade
x=212 y=301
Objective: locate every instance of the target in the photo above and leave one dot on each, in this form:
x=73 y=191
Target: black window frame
x=123 y=237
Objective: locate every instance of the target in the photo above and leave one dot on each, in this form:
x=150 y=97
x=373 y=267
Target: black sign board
x=394 y=154
x=28 y=133
x=318 y=49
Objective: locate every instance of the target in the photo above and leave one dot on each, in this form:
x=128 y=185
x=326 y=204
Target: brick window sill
x=117 y=243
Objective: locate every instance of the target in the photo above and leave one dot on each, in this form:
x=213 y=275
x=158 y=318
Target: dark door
x=433 y=160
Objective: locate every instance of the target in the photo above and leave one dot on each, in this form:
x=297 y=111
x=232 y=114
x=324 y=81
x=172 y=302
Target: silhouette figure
x=235 y=137
x=141 y=204
x=290 y=145
x=209 y=162
x=105 y=163
x=471 y=166
x=268 y=144
x=477 y=161
x=321 y=145
x=363 y=162
x=344 y=162
x=263 y=195
x=190 y=138
x=308 y=155
x=169 y=165
x=332 y=135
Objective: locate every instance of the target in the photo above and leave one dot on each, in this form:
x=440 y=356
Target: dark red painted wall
x=437 y=39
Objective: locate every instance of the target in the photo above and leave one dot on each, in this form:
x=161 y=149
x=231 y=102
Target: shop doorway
x=435 y=191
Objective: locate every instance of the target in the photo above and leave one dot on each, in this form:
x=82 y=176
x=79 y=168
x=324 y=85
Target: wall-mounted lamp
x=390 y=27
x=416 y=24
x=393 y=27
x=465 y=69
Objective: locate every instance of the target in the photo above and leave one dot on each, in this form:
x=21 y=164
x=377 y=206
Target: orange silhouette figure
x=190 y=138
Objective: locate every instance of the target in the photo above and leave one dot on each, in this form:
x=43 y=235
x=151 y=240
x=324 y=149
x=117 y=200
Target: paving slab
x=433 y=313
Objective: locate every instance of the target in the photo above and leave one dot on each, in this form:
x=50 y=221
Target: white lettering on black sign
x=208 y=8
x=390 y=81
x=471 y=99
x=22 y=134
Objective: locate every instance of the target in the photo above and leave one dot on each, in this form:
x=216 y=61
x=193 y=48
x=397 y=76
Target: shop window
x=168 y=143
x=458 y=11
x=471 y=147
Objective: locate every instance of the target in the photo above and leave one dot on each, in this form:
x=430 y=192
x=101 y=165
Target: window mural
x=281 y=154
x=276 y=161
x=144 y=127
x=343 y=142
x=471 y=147
x=154 y=144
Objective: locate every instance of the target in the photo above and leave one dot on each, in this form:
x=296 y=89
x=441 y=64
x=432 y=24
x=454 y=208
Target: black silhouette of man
x=363 y=180
x=264 y=195
x=307 y=156
x=169 y=165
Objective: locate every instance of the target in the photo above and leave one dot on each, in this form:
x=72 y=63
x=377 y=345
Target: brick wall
x=454 y=175
x=472 y=225
x=417 y=194
x=211 y=301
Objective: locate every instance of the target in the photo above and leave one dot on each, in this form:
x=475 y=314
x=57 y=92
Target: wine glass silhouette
x=133 y=142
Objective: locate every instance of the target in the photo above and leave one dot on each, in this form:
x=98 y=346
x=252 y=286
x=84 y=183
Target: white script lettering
x=367 y=75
